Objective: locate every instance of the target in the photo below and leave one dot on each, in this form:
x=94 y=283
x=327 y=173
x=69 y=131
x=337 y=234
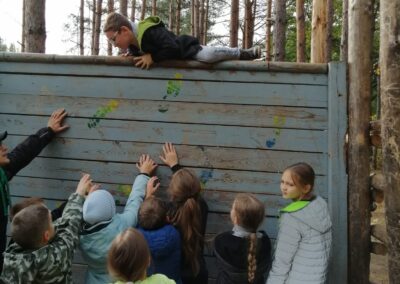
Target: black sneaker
x=251 y=53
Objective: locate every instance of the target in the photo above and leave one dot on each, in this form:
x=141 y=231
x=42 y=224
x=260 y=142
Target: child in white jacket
x=305 y=232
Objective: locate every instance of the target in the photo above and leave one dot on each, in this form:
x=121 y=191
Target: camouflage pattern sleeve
x=67 y=228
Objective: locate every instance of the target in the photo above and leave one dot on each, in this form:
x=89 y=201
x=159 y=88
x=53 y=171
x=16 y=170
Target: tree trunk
x=171 y=15
x=359 y=57
x=280 y=30
x=97 y=27
x=234 y=24
x=143 y=12
x=178 y=17
x=154 y=8
x=82 y=28
x=318 y=32
x=390 y=94
x=93 y=26
x=201 y=22
x=196 y=18
x=192 y=17
x=329 y=30
x=23 y=27
x=123 y=7
x=345 y=32
x=268 y=32
x=205 y=24
x=110 y=9
x=301 y=35
x=35 y=26
x=133 y=11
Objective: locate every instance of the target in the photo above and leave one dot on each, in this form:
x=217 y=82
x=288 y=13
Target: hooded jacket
x=165 y=248
x=303 y=245
x=95 y=244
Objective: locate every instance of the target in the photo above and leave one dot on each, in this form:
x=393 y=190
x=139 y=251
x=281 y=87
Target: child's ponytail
x=251 y=258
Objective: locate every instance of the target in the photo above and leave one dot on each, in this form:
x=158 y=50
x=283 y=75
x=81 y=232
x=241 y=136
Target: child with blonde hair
x=243 y=254
x=129 y=258
x=305 y=232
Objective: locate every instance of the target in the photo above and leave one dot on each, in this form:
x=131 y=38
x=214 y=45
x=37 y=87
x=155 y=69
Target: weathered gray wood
x=190 y=156
x=186 y=91
x=106 y=60
x=337 y=178
x=218 y=201
x=123 y=173
x=78 y=273
x=188 y=134
x=170 y=111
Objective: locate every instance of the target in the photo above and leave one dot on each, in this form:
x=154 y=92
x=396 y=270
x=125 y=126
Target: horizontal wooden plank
x=218 y=201
x=188 y=134
x=122 y=174
x=235 y=72
x=166 y=90
x=190 y=156
x=168 y=111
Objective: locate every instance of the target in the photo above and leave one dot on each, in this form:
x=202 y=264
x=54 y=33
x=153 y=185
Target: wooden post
x=359 y=59
x=301 y=35
x=318 y=33
x=390 y=94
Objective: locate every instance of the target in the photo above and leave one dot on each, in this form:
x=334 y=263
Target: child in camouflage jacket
x=43 y=251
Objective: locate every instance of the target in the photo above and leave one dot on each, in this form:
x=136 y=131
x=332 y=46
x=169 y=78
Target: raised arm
x=146 y=166
x=26 y=151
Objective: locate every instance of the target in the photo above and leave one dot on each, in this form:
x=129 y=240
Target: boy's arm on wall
x=287 y=245
x=26 y=151
x=136 y=197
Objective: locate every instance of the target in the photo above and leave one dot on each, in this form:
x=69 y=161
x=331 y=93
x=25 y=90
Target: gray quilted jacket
x=303 y=245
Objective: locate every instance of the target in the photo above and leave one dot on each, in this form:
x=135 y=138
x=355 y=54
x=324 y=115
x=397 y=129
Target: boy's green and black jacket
x=19 y=158
x=154 y=38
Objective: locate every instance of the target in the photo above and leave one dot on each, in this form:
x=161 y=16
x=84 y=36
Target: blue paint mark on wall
x=279 y=122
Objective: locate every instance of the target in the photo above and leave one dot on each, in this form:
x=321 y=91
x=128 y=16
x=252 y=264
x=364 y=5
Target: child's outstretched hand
x=84 y=185
x=152 y=185
x=56 y=120
x=146 y=165
x=170 y=157
x=144 y=61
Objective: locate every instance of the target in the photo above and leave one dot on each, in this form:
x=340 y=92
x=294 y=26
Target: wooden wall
x=236 y=124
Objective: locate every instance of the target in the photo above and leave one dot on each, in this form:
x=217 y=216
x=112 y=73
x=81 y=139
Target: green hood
x=144 y=25
x=295 y=206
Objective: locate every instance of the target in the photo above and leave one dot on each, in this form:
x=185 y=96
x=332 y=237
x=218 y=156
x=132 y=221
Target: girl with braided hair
x=244 y=254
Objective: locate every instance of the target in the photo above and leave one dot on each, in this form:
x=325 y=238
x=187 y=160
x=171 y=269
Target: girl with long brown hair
x=243 y=254
x=188 y=213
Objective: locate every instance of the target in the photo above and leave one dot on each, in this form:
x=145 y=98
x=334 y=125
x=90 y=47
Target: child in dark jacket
x=243 y=254
x=163 y=239
x=150 y=41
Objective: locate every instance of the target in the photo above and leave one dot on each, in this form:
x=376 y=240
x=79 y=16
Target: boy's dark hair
x=152 y=214
x=23 y=204
x=129 y=256
x=115 y=21
x=29 y=225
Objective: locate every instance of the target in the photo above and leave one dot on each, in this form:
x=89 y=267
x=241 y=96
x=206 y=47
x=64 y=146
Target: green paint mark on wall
x=102 y=112
x=125 y=189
